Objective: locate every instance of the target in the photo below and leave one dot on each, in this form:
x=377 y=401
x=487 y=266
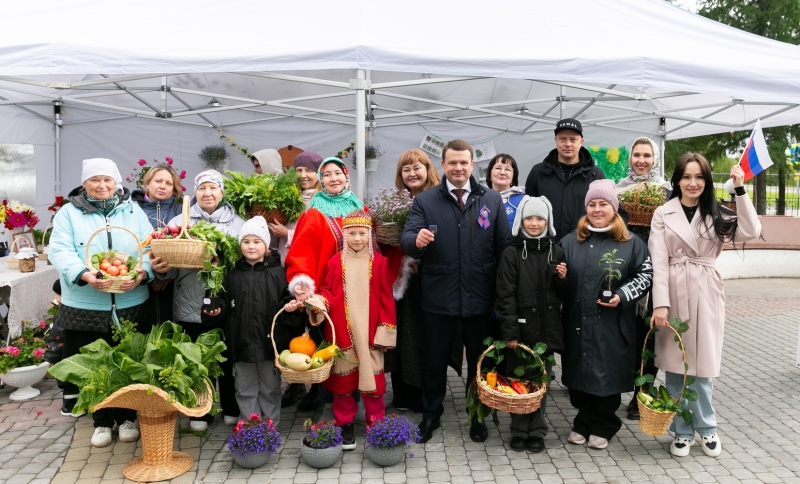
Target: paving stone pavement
x=757 y=399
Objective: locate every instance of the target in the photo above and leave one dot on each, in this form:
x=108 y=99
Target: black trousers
x=596 y=415
x=225 y=383
x=73 y=341
x=405 y=395
x=439 y=333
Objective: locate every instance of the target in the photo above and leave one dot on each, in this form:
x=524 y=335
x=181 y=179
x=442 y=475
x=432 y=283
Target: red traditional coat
x=382 y=325
x=317 y=238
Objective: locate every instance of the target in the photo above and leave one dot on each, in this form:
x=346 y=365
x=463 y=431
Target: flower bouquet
x=17 y=215
x=390 y=210
x=322 y=444
x=388 y=437
x=252 y=441
x=22 y=361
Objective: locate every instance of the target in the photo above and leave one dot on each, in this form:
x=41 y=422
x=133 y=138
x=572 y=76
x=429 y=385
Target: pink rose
x=38 y=353
x=169 y=160
x=183 y=189
x=142 y=162
x=42 y=324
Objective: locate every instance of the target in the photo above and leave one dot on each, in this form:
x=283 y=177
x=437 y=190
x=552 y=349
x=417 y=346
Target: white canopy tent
x=162 y=78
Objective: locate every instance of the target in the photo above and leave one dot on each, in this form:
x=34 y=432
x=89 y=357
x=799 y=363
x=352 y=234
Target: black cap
x=570 y=124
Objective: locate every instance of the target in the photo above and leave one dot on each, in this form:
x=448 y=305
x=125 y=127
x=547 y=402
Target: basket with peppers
x=492 y=391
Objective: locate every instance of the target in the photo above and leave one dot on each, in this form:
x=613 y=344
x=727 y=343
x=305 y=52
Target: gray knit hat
x=534 y=206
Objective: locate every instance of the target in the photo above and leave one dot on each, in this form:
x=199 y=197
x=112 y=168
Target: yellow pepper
x=491 y=379
x=326 y=353
x=509 y=390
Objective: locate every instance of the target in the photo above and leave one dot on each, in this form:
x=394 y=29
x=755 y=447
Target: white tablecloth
x=28 y=294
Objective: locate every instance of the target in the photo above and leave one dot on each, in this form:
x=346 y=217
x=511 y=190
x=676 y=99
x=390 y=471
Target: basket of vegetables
x=304 y=361
x=113 y=265
x=177 y=246
x=513 y=395
x=640 y=203
x=657 y=407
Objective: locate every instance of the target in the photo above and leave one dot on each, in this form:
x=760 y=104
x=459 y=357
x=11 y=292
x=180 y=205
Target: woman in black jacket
x=530 y=284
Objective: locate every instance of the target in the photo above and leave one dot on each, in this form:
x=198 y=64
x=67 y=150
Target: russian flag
x=755 y=158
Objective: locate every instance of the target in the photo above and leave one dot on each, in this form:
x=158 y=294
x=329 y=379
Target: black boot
x=293 y=393
x=633 y=409
x=311 y=401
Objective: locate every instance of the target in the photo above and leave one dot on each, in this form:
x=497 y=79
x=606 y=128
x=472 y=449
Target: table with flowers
x=27 y=294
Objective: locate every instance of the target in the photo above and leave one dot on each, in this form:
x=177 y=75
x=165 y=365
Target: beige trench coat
x=686 y=281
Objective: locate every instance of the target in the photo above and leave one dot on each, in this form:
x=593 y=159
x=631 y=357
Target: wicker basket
x=273 y=216
x=116 y=281
x=639 y=214
x=157 y=425
x=43 y=255
x=519 y=404
x=181 y=253
x=11 y=261
x=388 y=233
x=651 y=422
x=317 y=375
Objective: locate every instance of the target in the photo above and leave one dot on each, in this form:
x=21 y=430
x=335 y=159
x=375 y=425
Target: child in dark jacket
x=529 y=288
x=255 y=290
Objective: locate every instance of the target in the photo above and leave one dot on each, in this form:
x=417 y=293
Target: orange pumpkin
x=303 y=344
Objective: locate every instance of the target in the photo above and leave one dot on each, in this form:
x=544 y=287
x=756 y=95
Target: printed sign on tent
x=432 y=144
x=484 y=151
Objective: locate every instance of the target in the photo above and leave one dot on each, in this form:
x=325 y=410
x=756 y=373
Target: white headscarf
x=100 y=167
x=653 y=176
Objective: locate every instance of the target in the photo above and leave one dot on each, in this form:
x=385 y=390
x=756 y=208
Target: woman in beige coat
x=686 y=237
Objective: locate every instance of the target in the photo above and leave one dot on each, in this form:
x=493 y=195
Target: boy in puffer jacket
x=255 y=290
x=530 y=284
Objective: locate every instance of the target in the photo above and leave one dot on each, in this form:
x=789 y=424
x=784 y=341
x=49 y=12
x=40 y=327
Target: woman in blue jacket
x=86 y=312
x=503 y=176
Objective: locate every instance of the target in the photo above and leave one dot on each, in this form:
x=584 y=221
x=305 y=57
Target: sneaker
x=711 y=445
x=576 y=438
x=681 y=446
x=348 y=438
x=518 y=444
x=198 y=425
x=101 y=437
x=596 y=442
x=67 y=405
x=128 y=432
x=228 y=420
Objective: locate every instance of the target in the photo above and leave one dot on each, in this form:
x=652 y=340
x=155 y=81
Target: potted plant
x=214 y=157
x=387 y=439
x=322 y=445
x=273 y=196
x=390 y=210
x=372 y=151
x=252 y=441
x=609 y=273
x=22 y=361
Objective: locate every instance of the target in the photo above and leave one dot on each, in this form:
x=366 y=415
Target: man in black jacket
x=458 y=231
x=564 y=176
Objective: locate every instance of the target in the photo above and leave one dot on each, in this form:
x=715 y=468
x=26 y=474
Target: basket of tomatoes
x=113 y=265
x=176 y=246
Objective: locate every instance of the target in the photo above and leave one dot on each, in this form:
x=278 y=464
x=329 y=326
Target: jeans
x=704 y=419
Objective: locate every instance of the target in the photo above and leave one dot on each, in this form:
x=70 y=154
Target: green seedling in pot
x=609 y=273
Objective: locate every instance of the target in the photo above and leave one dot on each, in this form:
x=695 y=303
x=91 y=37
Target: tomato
x=123 y=271
x=123 y=267
x=117 y=263
x=105 y=265
x=104 y=261
x=113 y=271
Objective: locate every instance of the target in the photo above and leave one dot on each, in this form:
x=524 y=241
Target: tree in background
x=774 y=19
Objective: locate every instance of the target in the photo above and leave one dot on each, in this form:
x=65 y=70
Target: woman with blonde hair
x=415 y=172
x=599 y=336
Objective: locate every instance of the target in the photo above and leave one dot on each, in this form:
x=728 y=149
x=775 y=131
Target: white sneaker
x=198 y=425
x=596 y=442
x=681 y=446
x=712 y=445
x=101 y=437
x=128 y=432
x=576 y=438
x=228 y=420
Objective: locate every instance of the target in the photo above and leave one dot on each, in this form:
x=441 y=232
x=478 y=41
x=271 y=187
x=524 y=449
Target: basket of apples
x=113 y=265
x=174 y=244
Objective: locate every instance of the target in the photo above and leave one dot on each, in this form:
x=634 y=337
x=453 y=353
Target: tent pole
x=562 y=105
x=57 y=127
x=662 y=147
x=360 y=85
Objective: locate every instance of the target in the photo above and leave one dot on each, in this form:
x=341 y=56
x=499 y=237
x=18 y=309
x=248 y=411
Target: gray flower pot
x=386 y=456
x=251 y=461
x=320 y=458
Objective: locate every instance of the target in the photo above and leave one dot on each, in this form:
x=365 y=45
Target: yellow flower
x=230 y=140
x=594 y=148
x=2 y=213
x=612 y=155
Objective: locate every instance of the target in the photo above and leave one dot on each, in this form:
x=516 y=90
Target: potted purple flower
x=390 y=211
x=322 y=445
x=387 y=439
x=252 y=441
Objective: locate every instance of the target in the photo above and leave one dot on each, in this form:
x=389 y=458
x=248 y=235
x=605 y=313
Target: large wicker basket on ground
x=317 y=375
x=181 y=253
x=639 y=214
x=651 y=422
x=519 y=404
x=117 y=281
x=157 y=425
x=273 y=215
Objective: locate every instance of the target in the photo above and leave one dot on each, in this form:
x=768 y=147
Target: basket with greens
x=642 y=201
x=275 y=197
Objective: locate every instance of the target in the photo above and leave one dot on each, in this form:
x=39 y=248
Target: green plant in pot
x=214 y=157
x=610 y=274
x=265 y=194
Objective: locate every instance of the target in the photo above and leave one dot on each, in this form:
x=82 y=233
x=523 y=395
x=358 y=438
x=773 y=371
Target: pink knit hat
x=604 y=190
